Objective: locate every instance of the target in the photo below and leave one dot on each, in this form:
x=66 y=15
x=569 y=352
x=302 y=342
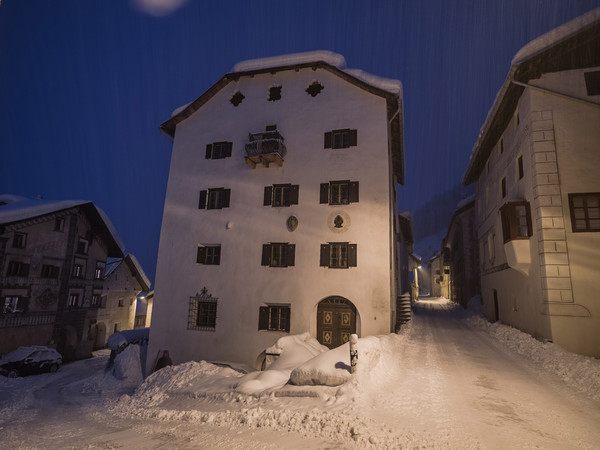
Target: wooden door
x=336 y=321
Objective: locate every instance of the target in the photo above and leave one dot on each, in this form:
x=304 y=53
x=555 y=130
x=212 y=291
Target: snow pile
x=580 y=372
x=386 y=84
x=127 y=365
x=330 y=368
x=293 y=351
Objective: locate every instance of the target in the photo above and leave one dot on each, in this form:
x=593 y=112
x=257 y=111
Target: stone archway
x=336 y=321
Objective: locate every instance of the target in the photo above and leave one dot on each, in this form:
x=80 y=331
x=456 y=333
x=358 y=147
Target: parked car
x=29 y=361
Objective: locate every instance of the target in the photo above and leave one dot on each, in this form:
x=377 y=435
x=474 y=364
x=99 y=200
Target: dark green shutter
x=263 y=318
x=266 y=255
x=291 y=255
x=353 y=138
x=217 y=260
x=201 y=256
x=324 y=193
x=209 y=151
x=229 y=148
x=327 y=140
x=285 y=318
x=202 y=200
x=324 y=262
x=268 y=196
x=353 y=195
x=352 y=256
x=294 y=192
x=226 y=197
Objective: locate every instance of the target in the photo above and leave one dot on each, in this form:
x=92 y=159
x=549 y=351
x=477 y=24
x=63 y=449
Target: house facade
x=280 y=210
x=52 y=260
x=461 y=254
x=535 y=167
x=124 y=280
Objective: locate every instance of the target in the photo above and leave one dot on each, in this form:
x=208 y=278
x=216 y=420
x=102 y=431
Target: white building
x=536 y=169
x=279 y=212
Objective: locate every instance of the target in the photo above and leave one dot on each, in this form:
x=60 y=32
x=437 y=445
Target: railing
x=26 y=319
x=267 y=143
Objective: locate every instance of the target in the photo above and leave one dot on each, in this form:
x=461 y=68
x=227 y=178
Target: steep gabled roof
x=14 y=209
x=134 y=266
x=389 y=89
x=574 y=45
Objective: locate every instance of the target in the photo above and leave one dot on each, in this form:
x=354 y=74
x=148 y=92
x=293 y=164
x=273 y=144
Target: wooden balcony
x=265 y=148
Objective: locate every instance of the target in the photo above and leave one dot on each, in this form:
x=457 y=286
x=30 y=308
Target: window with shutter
x=339 y=192
x=341 y=138
x=219 y=150
x=278 y=254
x=209 y=255
x=214 y=198
x=281 y=195
x=338 y=255
x=274 y=318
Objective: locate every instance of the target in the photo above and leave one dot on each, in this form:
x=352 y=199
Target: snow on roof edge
x=334 y=59
x=139 y=269
x=386 y=84
x=555 y=36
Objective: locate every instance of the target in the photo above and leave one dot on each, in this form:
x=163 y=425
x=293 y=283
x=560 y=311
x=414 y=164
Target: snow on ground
x=448 y=379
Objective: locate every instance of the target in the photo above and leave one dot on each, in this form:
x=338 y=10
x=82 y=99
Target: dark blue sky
x=84 y=85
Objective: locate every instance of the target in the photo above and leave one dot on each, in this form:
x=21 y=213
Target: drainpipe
x=558 y=94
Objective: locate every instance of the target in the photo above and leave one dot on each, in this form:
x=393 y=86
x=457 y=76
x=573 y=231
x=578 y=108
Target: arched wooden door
x=336 y=321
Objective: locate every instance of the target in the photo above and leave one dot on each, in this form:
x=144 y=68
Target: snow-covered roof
x=569 y=46
x=134 y=263
x=15 y=208
x=555 y=36
x=331 y=58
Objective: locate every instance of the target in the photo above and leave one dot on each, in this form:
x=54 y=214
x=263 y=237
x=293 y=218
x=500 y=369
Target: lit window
x=73 y=300
x=585 y=211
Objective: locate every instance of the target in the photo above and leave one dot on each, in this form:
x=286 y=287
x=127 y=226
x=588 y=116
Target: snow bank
x=330 y=368
x=580 y=372
x=128 y=366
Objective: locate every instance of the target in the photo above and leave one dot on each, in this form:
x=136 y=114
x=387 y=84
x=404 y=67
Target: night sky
x=85 y=84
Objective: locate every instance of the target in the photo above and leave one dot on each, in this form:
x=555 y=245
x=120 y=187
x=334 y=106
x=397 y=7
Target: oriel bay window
x=340 y=138
x=338 y=255
x=281 y=195
x=274 y=318
x=209 y=255
x=516 y=220
x=218 y=150
x=214 y=198
x=339 y=192
x=278 y=254
x=585 y=211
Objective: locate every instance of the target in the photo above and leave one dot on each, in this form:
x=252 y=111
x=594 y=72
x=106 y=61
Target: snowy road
x=445 y=381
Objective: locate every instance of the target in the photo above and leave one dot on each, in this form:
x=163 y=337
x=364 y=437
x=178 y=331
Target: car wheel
x=13 y=373
x=53 y=368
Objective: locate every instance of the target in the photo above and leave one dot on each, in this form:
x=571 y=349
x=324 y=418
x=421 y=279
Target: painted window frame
x=209 y=254
x=591 y=213
x=278 y=254
x=275 y=317
x=339 y=255
x=516 y=220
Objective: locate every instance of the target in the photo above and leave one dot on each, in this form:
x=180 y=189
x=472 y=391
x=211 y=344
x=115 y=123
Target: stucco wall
x=240 y=282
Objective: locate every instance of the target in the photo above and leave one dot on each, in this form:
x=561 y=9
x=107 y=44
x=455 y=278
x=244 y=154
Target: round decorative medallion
x=338 y=222
x=292 y=223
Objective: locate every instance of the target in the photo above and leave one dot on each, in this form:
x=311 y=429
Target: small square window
x=121 y=303
x=73 y=300
x=585 y=211
x=202 y=315
x=59 y=224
